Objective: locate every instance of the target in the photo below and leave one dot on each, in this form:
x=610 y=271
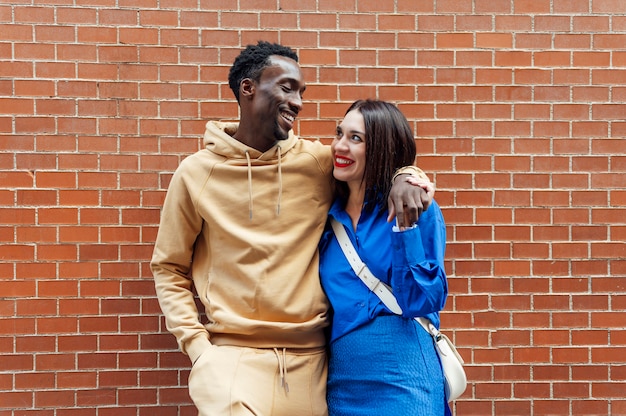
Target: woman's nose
x=340 y=143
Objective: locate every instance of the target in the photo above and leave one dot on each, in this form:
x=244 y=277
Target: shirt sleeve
x=418 y=277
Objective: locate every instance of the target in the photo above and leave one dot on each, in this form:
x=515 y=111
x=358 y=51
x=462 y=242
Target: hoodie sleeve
x=418 y=275
x=171 y=263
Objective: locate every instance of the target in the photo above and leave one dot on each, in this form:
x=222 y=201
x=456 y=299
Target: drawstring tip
x=282 y=367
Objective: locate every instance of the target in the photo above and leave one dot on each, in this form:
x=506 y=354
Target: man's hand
x=408 y=198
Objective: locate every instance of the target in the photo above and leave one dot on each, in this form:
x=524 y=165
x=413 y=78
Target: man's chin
x=281 y=134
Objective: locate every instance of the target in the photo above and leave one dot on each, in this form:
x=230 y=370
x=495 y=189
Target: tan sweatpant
x=240 y=381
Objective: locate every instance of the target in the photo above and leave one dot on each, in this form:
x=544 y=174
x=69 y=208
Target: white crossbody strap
x=372 y=282
x=451 y=360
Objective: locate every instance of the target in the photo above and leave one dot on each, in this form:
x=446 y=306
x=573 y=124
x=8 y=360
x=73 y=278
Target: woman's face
x=348 y=149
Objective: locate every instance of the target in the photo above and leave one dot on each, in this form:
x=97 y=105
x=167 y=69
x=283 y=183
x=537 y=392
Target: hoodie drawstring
x=282 y=367
x=249 y=183
x=280 y=182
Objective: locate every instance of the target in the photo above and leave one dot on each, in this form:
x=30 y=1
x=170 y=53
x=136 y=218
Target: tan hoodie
x=251 y=222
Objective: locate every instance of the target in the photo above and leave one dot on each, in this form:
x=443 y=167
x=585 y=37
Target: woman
x=381 y=363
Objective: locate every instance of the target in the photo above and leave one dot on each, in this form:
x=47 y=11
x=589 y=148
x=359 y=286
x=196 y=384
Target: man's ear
x=246 y=88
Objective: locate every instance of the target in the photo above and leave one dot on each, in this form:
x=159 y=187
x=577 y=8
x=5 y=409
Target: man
x=241 y=223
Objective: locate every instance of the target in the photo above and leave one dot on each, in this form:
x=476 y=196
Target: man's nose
x=295 y=102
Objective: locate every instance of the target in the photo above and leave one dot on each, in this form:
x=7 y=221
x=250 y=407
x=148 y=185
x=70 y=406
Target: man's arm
x=410 y=195
x=171 y=263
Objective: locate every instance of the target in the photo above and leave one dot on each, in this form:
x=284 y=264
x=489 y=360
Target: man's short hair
x=253 y=60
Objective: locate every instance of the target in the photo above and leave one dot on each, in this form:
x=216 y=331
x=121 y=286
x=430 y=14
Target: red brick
x=518 y=120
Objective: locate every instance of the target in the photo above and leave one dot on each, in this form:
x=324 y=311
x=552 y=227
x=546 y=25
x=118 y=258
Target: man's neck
x=255 y=141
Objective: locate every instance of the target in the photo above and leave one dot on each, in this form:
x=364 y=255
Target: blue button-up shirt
x=411 y=262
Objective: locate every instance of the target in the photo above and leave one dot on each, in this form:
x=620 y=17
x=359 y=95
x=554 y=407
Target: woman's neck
x=354 y=204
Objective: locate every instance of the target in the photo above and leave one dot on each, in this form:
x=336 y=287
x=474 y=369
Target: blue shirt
x=411 y=262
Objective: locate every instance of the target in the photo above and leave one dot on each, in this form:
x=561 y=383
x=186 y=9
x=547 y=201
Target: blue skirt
x=387 y=367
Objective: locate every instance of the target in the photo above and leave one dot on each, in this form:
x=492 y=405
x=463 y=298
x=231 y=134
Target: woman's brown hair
x=389 y=145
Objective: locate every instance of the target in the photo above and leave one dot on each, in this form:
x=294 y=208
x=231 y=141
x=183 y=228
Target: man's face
x=278 y=97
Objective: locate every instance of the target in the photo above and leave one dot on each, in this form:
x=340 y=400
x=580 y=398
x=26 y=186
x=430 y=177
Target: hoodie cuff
x=410 y=170
x=196 y=347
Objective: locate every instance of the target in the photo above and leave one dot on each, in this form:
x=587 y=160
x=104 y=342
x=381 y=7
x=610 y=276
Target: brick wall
x=519 y=106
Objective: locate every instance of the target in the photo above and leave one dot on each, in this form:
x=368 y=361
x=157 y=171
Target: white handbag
x=451 y=360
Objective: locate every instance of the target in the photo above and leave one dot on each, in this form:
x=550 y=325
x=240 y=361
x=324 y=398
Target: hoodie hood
x=218 y=139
